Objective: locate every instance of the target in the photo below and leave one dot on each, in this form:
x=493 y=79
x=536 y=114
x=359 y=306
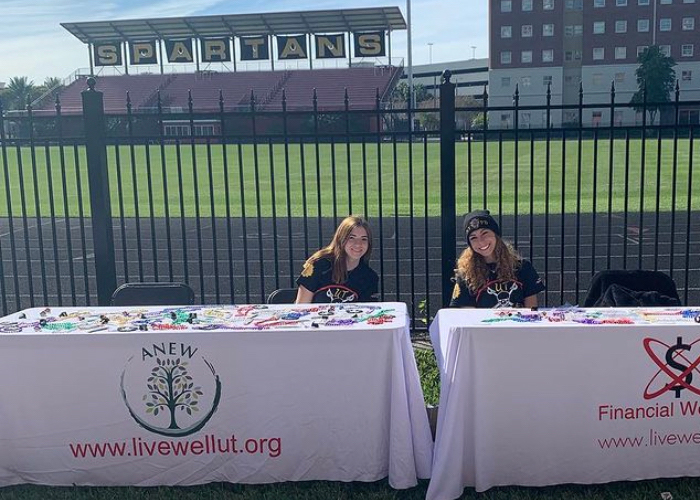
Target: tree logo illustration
x=175 y=392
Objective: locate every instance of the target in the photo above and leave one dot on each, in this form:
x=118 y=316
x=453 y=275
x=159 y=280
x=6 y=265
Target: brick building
x=592 y=42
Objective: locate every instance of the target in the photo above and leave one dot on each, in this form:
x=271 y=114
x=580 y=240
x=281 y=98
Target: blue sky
x=33 y=43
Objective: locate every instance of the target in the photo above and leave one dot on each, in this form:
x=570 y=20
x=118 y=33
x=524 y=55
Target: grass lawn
x=681 y=489
x=371 y=179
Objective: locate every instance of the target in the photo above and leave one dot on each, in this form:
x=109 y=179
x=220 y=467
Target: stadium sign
x=179 y=51
x=143 y=52
x=215 y=49
x=107 y=53
x=370 y=44
x=330 y=46
x=252 y=48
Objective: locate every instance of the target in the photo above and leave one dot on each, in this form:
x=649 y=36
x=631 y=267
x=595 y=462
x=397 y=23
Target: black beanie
x=480 y=219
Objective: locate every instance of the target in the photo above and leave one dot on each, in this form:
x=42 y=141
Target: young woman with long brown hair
x=490 y=273
x=340 y=272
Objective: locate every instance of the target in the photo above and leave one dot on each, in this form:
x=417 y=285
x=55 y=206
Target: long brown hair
x=473 y=268
x=336 y=248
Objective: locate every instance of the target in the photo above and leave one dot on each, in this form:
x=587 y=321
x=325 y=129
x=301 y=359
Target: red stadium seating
x=268 y=86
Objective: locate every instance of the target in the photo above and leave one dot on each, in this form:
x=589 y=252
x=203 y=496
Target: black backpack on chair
x=637 y=288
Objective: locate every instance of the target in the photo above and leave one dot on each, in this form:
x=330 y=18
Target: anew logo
x=170 y=391
x=677 y=357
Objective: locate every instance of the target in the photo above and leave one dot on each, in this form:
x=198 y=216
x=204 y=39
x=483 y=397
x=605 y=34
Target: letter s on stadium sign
x=107 y=53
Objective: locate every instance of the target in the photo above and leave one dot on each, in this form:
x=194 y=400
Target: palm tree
x=52 y=82
x=19 y=91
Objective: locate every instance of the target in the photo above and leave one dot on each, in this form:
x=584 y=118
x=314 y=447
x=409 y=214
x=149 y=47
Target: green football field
x=374 y=179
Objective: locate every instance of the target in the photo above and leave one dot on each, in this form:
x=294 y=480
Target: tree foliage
x=656 y=75
x=51 y=85
x=401 y=94
x=20 y=91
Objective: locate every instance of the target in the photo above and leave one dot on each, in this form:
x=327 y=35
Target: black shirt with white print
x=317 y=277
x=497 y=292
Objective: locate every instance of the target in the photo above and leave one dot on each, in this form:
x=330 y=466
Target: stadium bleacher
x=298 y=85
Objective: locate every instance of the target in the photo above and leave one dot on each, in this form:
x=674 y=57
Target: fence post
x=448 y=209
x=100 y=206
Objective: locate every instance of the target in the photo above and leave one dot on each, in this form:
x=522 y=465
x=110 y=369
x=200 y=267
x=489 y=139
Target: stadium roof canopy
x=282 y=23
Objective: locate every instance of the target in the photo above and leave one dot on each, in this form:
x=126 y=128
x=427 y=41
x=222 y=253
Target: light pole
x=430 y=58
x=411 y=99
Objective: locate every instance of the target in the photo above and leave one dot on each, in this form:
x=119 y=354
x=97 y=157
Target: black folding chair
x=283 y=296
x=153 y=294
x=639 y=280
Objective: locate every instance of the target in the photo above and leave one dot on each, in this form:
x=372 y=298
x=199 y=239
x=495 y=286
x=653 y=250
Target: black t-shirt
x=360 y=285
x=499 y=292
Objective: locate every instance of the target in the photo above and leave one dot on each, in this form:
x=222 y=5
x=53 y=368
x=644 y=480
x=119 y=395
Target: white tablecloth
x=541 y=403
x=272 y=397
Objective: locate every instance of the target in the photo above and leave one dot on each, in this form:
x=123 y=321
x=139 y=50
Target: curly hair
x=336 y=248
x=474 y=270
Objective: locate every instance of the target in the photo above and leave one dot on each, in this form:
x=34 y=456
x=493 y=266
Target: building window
x=640 y=49
x=642 y=2
x=525 y=119
x=526 y=30
x=525 y=81
x=620 y=52
x=620 y=26
x=598 y=3
x=687 y=50
x=688 y=23
x=506 y=31
x=596 y=118
x=599 y=27
x=665 y=24
x=547 y=4
x=665 y=2
x=619 y=78
x=547 y=30
x=572 y=55
x=505 y=57
x=689 y=116
x=597 y=79
x=506 y=6
x=643 y=25
x=686 y=75
x=505 y=120
x=688 y=1
x=665 y=50
x=547 y=80
x=573 y=5
x=526 y=56
x=527 y=5
x=621 y=3
x=505 y=81
x=598 y=53
x=573 y=30
x=548 y=55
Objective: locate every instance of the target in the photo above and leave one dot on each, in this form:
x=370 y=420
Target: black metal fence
x=233 y=201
